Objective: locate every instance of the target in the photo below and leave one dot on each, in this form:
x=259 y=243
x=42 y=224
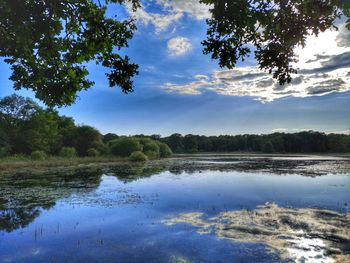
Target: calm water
x=114 y=216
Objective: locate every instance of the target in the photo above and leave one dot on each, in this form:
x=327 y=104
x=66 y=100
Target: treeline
x=30 y=130
x=302 y=142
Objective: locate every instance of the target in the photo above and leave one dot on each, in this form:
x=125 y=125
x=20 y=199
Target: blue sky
x=181 y=90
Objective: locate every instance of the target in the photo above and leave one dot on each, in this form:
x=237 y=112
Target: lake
x=203 y=208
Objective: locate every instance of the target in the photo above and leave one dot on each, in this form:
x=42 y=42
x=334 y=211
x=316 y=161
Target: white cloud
x=172 y=12
x=178 y=46
x=193 y=8
x=323 y=68
x=160 y=22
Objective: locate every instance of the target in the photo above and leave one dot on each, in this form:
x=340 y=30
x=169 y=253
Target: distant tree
x=138 y=156
x=48 y=43
x=86 y=137
x=40 y=133
x=109 y=137
x=156 y=137
x=270 y=28
x=4 y=143
x=190 y=143
x=268 y=148
x=204 y=144
x=164 y=150
x=124 y=146
x=150 y=147
x=175 y=142
x=15 y=109
x=67 y=129
x=15 y=112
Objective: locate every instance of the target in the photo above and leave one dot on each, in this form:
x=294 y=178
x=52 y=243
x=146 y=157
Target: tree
x=4 y=143
x=15 y=109
x=40 y=133
x=150 y=147
x=124 y=146
x=164 y=150
x=109 y=137
x=190 y=143
x=48 y=43
x=272 y=27
x=268 y=147
x=15 y=112
x=85 y=138
x=175 y=141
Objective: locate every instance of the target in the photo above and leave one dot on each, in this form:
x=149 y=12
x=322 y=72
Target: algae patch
x=299 y=235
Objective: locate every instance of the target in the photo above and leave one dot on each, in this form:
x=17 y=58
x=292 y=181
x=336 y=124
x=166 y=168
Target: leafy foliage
x=138 y=156
x=48 y=43
x=86 y=137
x=302 y=142
x=272 y=28
x=38 y=155
x=164 y=150
x=124 y=146
x=68 y=152
x=93 y=152
x=150 y=147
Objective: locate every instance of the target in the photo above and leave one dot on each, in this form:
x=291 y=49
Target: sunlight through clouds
x=323 y=68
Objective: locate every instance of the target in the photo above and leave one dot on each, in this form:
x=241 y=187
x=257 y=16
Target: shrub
x=164 y=150
x=38 y=155
x=93 y=152
x=68 y=152
x=138 y=156
x=124 y=146
x=151 y=149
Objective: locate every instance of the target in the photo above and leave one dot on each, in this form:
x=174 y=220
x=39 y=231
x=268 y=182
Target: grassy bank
x=21 y=164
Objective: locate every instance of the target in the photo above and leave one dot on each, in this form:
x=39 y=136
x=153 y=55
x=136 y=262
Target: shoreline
x=59 y=164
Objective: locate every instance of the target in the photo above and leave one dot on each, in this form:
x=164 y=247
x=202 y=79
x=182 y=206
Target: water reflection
x=301 y=235
x=101 y=214
x=22 y=198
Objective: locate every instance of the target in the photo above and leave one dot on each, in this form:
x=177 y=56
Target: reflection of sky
x=153 y=109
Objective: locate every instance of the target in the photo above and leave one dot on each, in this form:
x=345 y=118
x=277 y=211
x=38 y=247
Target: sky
x=181 y=90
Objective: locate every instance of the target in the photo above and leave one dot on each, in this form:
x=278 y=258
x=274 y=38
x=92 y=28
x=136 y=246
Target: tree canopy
x=49 y=43
x=270 y=28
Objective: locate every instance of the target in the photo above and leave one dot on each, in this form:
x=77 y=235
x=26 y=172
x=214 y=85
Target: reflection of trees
x=128 y=173
x=22 y=197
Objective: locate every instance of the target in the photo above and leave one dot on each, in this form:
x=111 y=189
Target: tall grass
x=18 y=162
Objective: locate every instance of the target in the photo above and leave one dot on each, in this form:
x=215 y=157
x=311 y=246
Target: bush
x=124 y=146
x=164 y=150
x=93 y=152
x=38 y=155
x=138 y=156
x=151 y=148
x=68 y=152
